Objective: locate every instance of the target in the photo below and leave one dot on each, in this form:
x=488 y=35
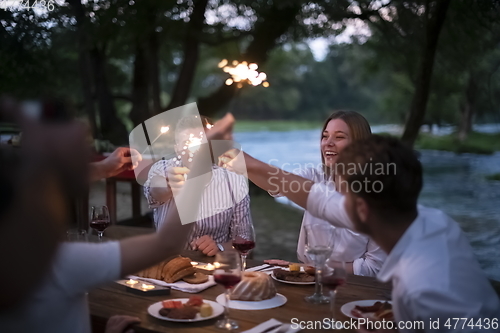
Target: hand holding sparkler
x=176 y=177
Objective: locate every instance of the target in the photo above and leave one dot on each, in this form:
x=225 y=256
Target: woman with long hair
x=362 y=255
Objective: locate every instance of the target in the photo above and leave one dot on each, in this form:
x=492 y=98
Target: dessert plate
x=274 y=302
x=217 y=311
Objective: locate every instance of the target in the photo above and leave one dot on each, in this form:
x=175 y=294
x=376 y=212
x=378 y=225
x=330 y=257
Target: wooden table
x=113 y=299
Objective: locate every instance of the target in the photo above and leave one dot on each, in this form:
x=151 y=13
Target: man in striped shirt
x=225 y=206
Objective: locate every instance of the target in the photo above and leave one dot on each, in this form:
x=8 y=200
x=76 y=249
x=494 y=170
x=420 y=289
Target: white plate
x=290 y=282
x=217 y=311
x=274 y=302
x=348 y=307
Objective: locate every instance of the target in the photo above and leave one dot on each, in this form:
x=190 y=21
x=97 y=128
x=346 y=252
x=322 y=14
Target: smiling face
x=335 y=137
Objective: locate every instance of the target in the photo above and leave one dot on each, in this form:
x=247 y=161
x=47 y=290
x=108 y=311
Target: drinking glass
x=99 y=219
x=244 y=241
x=319 y=244
x=333 y=275
x=227 y=273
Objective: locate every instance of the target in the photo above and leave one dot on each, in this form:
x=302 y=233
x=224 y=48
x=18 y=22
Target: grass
x=476 y=143
x=277 y=228
x=275 y=125
x=495 y=176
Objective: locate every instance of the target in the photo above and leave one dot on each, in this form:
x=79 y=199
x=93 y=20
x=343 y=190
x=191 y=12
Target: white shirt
x=433 y=270
x=367 y=257
x=60 y=303
x=224 y=203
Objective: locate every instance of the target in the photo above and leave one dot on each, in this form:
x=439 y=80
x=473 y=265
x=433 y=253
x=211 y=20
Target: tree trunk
x=112 y=128
x=154 y=72
x=85 y=67
x=468 y=108
x=140 y=87
x=191 y=54
x=266 y=33
x=420 y=97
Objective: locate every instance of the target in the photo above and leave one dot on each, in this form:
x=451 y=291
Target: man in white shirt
x=435 y=275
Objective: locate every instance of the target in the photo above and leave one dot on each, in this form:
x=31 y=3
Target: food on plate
x=196 y=278
x=254 y=286
x=195 y=301
x=380 y=310
x=277 y=262
x=285 y=275
x=310 y=270
x=172 y=304
x=206 y=310
x=188 y=310
x=294 y=267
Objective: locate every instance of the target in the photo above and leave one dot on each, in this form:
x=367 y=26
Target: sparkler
x=243 y=72
x=163 y=130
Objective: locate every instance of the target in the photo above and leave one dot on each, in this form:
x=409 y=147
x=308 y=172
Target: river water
x=453 y=183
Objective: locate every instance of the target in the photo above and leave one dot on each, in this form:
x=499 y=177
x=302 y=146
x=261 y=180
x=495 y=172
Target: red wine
x=244 y=246
x=227 y=280
x=99 y=225
x=332 y=282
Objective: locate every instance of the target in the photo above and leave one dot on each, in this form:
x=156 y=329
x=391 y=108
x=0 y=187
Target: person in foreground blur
x=430 y=263
x=59 y=303
x=361 y=255
x=225 y=202
x=37 y=182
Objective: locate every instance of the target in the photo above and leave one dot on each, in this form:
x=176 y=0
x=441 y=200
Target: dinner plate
x=291 y=282
x=348 y=307
x=217 y=311
x=274 y=302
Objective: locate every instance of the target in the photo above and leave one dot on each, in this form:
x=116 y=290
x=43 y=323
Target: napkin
x=180 y=285
x=270 y=323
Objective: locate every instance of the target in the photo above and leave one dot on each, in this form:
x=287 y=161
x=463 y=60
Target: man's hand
x=123 y=158
x=206 y=245
x=121 y=324
x=176 y=177
x=234 y=161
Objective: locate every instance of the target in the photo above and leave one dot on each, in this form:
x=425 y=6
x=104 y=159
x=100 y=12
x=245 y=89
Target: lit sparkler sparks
x=243 y=72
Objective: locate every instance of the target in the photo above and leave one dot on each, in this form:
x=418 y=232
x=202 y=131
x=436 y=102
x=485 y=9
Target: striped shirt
x=224 y=208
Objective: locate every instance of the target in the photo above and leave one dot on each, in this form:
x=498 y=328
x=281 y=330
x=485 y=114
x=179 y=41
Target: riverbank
x=476 y=143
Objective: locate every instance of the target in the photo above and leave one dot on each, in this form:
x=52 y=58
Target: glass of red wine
x=99 y=219
x=333 y=276
x=244 y=241
x=228 y=274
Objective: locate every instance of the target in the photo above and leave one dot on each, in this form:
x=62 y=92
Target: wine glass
x=244 y=241
x=319 y=243
x=99 y=219
x=333 y=275
x=227 y=273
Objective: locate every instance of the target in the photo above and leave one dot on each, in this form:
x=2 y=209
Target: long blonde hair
x=358 y=126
